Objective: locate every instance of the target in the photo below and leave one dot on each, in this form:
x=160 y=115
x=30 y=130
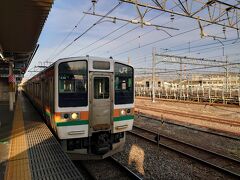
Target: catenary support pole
x=153 y=73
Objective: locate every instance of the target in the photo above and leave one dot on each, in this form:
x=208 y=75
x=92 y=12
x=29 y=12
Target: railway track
x=191 y=115
x=130 y=173
x=205 y=129
x=220 y=104
x=108 y=168
x=218 y=161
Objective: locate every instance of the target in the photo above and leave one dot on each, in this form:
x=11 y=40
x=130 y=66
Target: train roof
x=88 y=58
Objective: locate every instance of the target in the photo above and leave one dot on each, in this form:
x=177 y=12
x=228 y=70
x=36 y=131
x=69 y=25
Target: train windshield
x=73 y=84
x=123 y=84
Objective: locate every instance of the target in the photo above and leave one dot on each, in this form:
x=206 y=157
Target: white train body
x=88 y=102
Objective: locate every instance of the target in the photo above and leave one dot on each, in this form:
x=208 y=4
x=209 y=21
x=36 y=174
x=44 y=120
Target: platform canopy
x=21 y=22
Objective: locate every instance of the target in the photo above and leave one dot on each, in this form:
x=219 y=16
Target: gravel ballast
x=151 y=162
x=224 y=145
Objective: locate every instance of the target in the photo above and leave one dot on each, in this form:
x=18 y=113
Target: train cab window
x=123 y=84
x=101 y=87
x=73 y=84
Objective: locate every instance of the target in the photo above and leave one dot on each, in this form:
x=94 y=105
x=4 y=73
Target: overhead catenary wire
x=187 y=48
x=105 y=37
x=191 y=42
x=198 y=68
x=138 y=72
x=124 y=52
x=229 y=55
x=208 y=49
x=110 y=34
x=146 y=23
x=99 y=39
x=149 y=57
x=88 y=29
x=114 y=39
x=197 y=28
x=178 y=5
x=154 y=42
x=68 y=35
x=158 y=29
x=131 y=40
x=188 y=14
x=202 y=45
x=120 y=35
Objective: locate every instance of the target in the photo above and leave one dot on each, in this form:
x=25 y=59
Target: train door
x=101 y=89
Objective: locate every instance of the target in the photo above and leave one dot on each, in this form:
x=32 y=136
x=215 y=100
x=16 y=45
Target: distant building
x=214 y=81
x=146 y=81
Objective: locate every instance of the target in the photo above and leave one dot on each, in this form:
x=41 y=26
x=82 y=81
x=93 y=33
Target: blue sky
x=136 y=44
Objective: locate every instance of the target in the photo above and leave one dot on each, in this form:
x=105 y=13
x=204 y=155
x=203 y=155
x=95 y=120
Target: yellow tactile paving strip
x=18 y=164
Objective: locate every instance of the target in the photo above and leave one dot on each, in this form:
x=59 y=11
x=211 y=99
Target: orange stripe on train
x=84 y=115
x=116 y=113
x=57 y=117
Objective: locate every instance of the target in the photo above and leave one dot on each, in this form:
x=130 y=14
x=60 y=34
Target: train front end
x=94 y=106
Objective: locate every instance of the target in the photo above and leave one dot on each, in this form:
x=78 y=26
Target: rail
x=218 y=161
x=108 y=168
x=205 y=130
x=191 y=115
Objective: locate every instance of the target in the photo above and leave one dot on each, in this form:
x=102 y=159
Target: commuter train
x=88 y=102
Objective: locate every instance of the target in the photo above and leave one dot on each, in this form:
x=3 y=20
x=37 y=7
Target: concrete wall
x=4 y=96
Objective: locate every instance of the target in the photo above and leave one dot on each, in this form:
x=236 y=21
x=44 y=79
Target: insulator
x=172 y=16
x=224 y=29
x=114 y=20
x=94 y=4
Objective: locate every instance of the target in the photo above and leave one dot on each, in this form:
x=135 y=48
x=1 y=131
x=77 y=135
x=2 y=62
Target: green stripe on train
x=122 y=118
x=82 y=122
x=72 y=123
x=47 y=113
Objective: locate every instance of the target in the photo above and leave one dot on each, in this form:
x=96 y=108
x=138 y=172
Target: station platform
x=28 y=149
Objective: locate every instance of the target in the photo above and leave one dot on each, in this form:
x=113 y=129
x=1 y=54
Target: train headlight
x=74 y=116
x=123 y=112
